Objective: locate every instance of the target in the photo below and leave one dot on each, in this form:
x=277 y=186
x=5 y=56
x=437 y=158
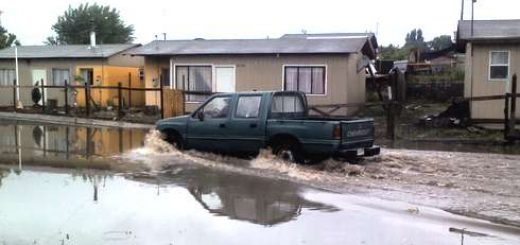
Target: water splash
x=158 y=155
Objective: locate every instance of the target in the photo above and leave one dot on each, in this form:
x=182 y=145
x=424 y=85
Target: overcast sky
x=31 y=20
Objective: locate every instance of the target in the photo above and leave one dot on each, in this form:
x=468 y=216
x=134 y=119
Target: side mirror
x=200 y=115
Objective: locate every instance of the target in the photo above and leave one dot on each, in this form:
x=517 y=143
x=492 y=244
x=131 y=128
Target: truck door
x=207 y=127
x=246 y=130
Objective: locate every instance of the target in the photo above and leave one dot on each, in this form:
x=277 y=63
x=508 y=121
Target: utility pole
x=462 y=10
x=472 y=15
x=1 y=17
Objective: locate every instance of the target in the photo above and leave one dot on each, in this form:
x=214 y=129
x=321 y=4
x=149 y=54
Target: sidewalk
x=73 y=121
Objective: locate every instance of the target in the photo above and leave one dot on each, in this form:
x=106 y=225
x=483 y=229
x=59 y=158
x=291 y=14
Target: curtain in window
x=318 y=83
x=181 y=77
x=59 y=76
x=305 y=80
x=291 y=79
x=499 y=58
x=7 y=77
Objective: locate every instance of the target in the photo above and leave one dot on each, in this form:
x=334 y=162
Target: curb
x=74 y=121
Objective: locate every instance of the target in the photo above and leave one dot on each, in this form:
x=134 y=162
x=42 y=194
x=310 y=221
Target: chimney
x=92 y=39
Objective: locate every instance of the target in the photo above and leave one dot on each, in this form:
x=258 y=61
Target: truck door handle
x=222 y=125
x=253 y=125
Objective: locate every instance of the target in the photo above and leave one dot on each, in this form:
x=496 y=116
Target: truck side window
x=287 y=106
x=218 y=107
x=248 y=107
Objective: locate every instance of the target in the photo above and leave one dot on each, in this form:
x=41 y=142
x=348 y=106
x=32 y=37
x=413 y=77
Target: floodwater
x=76 y=185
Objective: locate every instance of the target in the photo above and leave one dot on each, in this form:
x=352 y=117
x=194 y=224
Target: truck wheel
x=173 y=138
x=288 y=151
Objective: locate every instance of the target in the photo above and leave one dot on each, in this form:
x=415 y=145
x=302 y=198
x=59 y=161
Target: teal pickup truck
x=246 y=122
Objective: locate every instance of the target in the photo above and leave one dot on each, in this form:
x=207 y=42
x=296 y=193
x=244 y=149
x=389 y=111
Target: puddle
x=197 y=206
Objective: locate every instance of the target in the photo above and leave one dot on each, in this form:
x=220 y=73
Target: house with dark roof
x=329 y=68
x=492 y=50
x=97 y=65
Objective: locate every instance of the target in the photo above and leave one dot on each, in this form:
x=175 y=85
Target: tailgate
x=357 y=133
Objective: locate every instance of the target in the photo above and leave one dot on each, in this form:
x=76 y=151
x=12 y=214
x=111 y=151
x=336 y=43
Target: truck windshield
x=287 y=106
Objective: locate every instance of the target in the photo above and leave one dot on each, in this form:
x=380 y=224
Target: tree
x=392 y=52
x=415 y=39
x=441 y=42
x=75 y=25
x=7 y=39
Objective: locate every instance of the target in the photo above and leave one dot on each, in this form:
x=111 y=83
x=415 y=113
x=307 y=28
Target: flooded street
x=76 y=185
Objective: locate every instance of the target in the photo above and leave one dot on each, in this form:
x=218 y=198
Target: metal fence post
x=87 y=99
x=66 y=98
x=119 y=101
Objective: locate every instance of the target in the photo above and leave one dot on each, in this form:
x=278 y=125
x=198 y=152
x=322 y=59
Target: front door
x=208 y=125
x=224 y=79
x=247 y=126
x=39 y=76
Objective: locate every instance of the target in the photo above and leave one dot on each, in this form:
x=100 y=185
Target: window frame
x=164 y=77
x=325 y=77
x=60 y=69
x=173 y=78
x=259 y=107
x=491 y=65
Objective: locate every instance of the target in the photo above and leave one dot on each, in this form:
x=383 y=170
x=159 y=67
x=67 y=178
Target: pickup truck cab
x=246 y=122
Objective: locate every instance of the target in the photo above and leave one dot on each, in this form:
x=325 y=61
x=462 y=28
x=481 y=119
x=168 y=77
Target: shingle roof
x=252 y=46
x=65 y=51
x=489 y=30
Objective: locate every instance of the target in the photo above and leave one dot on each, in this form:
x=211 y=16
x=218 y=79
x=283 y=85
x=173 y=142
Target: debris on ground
x=457 y=115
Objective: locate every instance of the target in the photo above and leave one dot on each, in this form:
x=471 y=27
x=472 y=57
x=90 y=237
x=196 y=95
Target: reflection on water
x=196 y=206
x=92 y=207
x=248 y=198
x=32 y=144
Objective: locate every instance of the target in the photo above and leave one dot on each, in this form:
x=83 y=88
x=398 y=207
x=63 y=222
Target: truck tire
x=288 y=150
x=173 y=138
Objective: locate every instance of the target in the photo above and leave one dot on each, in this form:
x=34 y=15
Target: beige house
x=329 y=68
x=99 y=65
x=492 y=57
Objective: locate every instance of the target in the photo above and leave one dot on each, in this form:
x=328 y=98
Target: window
x=7 y=77
x=194 y=79
x=307 y=79
x=218 y=107
x=59 y=76
x=284 y=106
x=88 y=75
x=499 y=65
x=165 y=77
x=248 y=107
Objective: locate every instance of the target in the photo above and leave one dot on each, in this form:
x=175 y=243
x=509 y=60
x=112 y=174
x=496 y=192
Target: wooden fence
x=78 y=100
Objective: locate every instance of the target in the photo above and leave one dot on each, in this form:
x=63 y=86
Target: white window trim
x=173 y=74
x=308 y=65
x=508 y=66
